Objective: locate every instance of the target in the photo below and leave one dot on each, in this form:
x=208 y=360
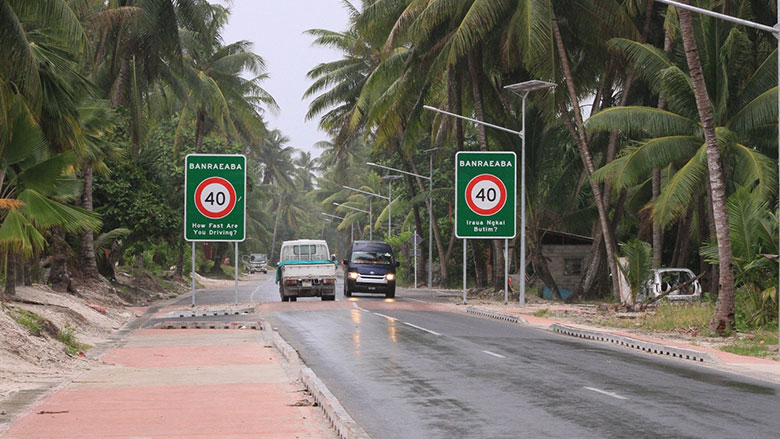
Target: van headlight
x=390 y=276
x=353 y=275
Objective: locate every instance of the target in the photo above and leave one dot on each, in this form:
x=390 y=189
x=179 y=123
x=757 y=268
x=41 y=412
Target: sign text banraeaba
x=485 y=195
x=215 y=197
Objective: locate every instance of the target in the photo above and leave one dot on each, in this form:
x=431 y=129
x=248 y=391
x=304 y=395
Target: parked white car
x=664 y=279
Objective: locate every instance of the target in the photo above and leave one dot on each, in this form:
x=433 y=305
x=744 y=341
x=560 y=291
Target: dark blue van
x=370 y=268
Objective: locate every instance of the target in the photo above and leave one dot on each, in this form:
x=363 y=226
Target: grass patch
x=542 y=312
x=669 y=317
x=33 y=322
x=68 y=338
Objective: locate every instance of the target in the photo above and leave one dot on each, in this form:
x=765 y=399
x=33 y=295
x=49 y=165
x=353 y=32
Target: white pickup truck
x=306 y=269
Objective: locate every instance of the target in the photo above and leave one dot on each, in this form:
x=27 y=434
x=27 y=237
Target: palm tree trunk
x=658 y=233
x=587 y=160
x=723 y=319
x=10 y=274
x=199 y=128
x=179 y=271
x=58 y=272
x=88 y=259
x=276 y=228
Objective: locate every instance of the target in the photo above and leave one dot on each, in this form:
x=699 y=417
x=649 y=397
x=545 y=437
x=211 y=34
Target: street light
x=372 y=194
x=390 y=179
x=351 y=226
x=523 y=89
x=430 y=210
x=370 y=216
x=774 y=30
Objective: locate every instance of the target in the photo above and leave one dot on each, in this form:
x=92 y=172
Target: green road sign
x=485 y=194
x=214 y=197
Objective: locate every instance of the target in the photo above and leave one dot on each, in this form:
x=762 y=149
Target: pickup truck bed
x=306 y=279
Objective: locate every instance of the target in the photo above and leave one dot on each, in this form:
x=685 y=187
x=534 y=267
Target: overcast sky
x=276 y=29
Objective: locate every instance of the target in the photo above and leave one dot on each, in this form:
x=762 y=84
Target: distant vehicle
x=306 y=270
x=255 y=262
x=665 y=279
x=370 y=268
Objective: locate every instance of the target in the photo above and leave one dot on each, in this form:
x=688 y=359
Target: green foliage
x=68 y=337
x=133 y=198
x=33 y=322
x=753 y=231
x=639 y=255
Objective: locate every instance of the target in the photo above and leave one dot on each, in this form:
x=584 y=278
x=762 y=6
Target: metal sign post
x=485 y=199
x=464 y=271
x=214 y=202
x=416 y=240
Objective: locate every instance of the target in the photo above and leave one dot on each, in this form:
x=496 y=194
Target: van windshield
x=368 y=257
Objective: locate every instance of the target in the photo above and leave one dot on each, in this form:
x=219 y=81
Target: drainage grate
x=651 y=348
x=205 y=325
x=208 y=313
x=494 y=315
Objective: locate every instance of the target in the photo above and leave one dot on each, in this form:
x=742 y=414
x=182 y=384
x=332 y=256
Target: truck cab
x=370 y=268
x=255 y=262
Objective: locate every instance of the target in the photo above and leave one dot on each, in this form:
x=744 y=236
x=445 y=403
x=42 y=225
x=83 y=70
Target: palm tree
x=212 y=88
x=723 y=319
x=38 y=183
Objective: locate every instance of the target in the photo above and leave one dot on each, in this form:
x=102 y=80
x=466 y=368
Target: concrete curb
x=628 y=342
x=342 y=422
x=495 y=315
x=345 y=426
x=649 y=347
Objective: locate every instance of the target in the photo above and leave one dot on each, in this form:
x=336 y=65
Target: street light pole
x=370 y=233
x=390 y=179
x=774 y=30
x=430 y=216
x=524 y=88
x=430 y=208
x=359 y=210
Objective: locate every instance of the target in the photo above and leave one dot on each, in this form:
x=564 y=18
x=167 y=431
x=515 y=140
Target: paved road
x=408 y=369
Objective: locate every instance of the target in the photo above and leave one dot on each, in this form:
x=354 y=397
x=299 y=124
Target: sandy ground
x=27 y=360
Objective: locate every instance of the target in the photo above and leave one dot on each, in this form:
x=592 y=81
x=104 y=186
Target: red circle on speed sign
x=485 y=194
x=215 y=197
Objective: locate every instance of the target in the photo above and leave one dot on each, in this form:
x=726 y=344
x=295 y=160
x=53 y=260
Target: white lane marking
x=604 y=392
x=252 y=297
x=421 y=328
x=494 y=354
x=387 y=317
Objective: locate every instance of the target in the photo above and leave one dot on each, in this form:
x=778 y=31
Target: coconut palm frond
x=679 y=191
x=638 y=122
x=45 y=213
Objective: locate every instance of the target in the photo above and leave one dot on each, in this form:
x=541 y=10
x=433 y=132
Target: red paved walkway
x=178 y=384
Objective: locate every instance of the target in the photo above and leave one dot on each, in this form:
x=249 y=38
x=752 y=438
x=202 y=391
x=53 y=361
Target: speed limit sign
x=214 y=200
x=215 y=197
x=485 y=193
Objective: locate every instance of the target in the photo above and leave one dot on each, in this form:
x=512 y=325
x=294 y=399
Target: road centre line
x=421 y=328
x=252 y=297
x=603 y=392
x=494 y=354
x=387 y=317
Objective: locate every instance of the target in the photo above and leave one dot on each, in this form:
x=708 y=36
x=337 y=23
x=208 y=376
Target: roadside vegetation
x=658 y=142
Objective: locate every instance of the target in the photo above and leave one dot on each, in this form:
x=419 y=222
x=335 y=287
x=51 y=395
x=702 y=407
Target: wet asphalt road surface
x=407 y=369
